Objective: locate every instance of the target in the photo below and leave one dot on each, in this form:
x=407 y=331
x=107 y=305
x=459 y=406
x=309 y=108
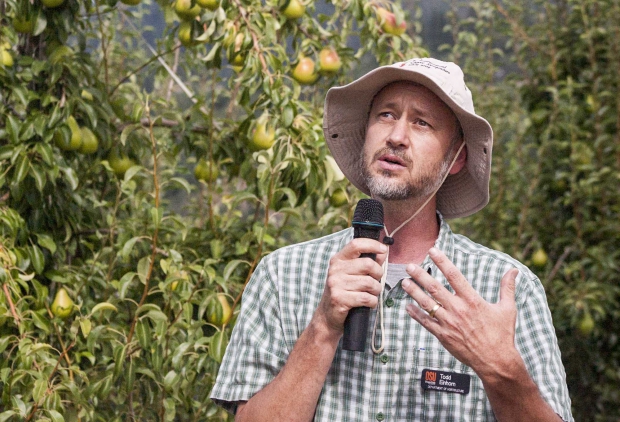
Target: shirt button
x=380 y=416
x=389 y=303
x=385 y=358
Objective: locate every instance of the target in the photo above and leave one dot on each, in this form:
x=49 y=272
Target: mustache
x=393 y=151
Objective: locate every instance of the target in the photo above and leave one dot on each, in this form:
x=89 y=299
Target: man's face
x=408 y=143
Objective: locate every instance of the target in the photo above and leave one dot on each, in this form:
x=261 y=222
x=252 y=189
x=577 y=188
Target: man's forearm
x=515 y=397
x=294 y=392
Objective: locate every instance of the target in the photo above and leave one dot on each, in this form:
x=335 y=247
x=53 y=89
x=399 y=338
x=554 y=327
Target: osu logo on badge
x=431 y=376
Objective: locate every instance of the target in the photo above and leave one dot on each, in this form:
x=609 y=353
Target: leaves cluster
x=144 y=250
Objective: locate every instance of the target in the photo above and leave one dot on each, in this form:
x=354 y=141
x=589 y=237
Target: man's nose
x=399 y=135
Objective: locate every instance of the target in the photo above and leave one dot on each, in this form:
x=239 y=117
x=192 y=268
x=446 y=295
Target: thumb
x=508 y=287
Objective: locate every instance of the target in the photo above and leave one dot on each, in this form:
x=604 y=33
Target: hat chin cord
x=376 y=350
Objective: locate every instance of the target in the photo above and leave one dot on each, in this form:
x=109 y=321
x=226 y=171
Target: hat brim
x=344 y=125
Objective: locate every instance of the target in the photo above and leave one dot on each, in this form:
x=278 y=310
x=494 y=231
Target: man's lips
x=390 y=161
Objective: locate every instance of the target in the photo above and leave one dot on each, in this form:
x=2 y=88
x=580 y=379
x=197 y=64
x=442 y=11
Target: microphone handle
x=356 y=323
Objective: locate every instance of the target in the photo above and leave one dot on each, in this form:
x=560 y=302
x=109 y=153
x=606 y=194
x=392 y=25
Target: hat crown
x=447 y=75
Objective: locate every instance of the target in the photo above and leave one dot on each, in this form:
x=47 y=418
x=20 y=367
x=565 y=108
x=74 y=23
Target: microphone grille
x=368 y=210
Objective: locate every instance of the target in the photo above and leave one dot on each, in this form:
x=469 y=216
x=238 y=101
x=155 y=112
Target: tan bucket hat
x=346 y=116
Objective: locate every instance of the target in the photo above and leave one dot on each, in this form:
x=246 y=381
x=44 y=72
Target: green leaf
x=22 y=167
x=212 y=53
x=127 y=131
x=156 y=216
x=46 y=241
x=143 y=268
x=4 y=342
x=6 y=415
x=86 y=355
x=128 y=246
x=288 y=115
x=71 y=177
x=40 y=124
x=119 y=360
x=184 y=183
x=55 y=117
x=41 y=322
x=39 y=26
x=37 y=258
x=103 y=306
x=125 y=282
x=179 y=353
x=143 y=333
x=218 y=345
x=170 y=407
x=12 y=128
x=130 y=374
x=27 y=131
x=231 y=266
x=170 y=380
x=39 y=389
x=85 y=326
x=55 y=416
x=38 y=173
x=156 y=316
x=147 y=372
x=22 y=94
x=129 y=174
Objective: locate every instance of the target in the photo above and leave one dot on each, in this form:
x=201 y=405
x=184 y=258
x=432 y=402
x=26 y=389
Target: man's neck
x=415 y=238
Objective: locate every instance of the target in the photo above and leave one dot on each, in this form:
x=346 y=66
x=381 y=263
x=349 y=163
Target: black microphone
x=367 y=223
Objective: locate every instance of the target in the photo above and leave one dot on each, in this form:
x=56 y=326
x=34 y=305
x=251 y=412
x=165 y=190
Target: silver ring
x=434 y=310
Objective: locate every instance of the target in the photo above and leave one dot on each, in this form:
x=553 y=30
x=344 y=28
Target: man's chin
x=388 y=190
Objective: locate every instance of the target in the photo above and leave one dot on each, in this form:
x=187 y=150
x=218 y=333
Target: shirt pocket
x=441 y=406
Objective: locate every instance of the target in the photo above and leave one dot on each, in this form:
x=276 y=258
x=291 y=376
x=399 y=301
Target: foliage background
x=142 y=255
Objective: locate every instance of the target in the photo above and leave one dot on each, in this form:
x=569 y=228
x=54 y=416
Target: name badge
x=450 y=382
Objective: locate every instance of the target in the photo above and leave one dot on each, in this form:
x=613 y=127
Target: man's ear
x=460 y=161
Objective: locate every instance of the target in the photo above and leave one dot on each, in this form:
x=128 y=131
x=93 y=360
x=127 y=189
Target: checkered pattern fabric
x=286 y=288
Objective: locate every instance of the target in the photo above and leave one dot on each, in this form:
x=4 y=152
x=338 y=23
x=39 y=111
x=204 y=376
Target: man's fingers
x=423 y=318
x=458 y=282
x=359 y=246
x=352 y=299
x=358 y=283
x=354 y=268
x=508 y=287
x=428 y=283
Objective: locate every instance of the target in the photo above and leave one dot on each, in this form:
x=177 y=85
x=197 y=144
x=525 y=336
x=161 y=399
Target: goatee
x=385 y=185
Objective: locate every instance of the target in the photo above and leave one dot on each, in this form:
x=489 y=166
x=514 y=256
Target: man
x=470 y=340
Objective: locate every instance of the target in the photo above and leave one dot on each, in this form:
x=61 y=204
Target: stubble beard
x=384 y=185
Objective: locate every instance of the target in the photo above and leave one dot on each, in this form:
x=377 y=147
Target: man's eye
x=422 y=123
x=385 y=114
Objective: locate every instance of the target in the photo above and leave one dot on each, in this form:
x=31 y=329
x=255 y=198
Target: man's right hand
x=351 y=282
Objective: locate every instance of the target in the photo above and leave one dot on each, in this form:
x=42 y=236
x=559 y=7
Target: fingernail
x=433 y=251
x=384 y=248
x=406 y=282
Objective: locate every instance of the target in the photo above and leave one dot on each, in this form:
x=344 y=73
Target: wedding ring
x=434 y=310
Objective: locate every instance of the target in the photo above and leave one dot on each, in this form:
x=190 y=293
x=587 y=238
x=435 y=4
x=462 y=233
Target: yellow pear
x=75 y=142
x=62 y=306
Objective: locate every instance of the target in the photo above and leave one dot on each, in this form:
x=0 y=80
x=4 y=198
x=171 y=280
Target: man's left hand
x=477 y=333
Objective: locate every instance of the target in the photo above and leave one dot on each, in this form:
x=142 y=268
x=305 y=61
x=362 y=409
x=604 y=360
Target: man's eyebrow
x=394 y=104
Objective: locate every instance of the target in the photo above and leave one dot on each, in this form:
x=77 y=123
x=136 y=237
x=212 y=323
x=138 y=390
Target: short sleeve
x=256 y=352
x=537 y=342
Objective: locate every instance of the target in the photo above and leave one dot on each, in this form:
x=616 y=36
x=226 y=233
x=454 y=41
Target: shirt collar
x=444 y=242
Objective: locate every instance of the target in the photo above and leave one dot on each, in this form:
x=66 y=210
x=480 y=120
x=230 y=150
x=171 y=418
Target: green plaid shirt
x=286 y=288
